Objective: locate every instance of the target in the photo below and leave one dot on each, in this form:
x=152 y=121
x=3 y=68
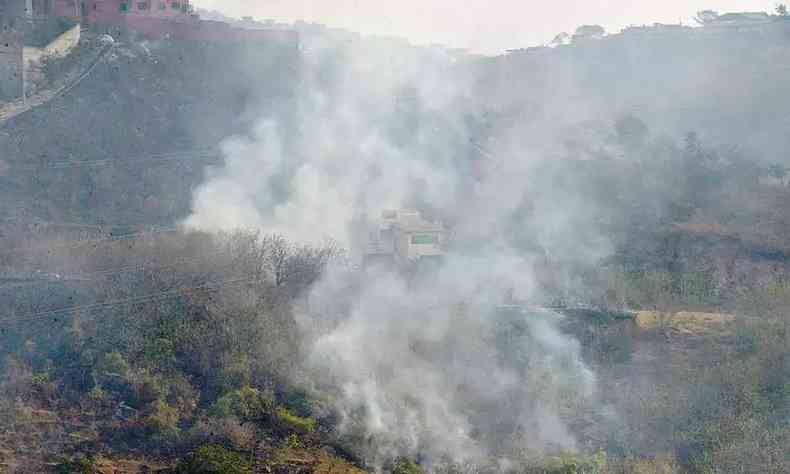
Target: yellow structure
x=683 y=322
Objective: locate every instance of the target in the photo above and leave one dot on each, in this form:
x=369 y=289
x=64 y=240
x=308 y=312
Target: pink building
x=153 y=19
x=118 y=11
x=68 y=8
x=98 y=10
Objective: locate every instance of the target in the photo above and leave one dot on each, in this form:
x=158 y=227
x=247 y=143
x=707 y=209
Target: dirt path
x=19 y=106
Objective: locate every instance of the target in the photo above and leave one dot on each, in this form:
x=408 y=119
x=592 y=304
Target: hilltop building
x=658 y=29
x=153 y=19
x=96 y=10
x=588 y=32
x=742 y=22
x=119 y=12
x=741 y=18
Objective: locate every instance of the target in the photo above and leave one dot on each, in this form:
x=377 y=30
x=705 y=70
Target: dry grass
x=684 y=322
x=126 y=466
x=319 y=461
x=660 y=465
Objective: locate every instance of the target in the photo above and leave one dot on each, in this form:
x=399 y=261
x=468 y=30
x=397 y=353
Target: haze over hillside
x=481 y=26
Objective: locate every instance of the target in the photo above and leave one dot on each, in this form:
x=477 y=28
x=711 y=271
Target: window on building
x=142 y=5
x=162 y=6
x=124 y=7
x=176 y=5
x=424 y=239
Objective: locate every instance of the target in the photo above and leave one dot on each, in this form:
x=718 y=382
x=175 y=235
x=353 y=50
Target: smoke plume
x=431 y=366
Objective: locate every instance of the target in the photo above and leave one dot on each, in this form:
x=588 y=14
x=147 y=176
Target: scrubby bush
x=567 y=464
x=147 y=388
x=162 y=418
x=113 y=364
x=295 y=423
x=17 y=381
x=214 y=459
x=293 y=441
x=182 y=395
x=297 y=401
x=246 y=403
x=43 y=387
x=229 y=431
x=406 y=466
x=81 y=464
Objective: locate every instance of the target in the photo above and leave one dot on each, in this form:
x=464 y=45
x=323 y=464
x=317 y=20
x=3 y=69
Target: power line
x=132 y=268
x=160 y=157
x=134 y=300
x=82 y=243
x=79 y=225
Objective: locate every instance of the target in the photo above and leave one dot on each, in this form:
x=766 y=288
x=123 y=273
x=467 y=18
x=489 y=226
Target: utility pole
x=30 y=17
x=21 y=58
x=23 y=74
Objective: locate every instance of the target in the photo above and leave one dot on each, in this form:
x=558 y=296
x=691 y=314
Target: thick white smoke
x=425 y=367
x=440 y=370
x=307 y=175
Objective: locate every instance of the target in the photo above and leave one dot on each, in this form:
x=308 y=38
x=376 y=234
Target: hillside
x=128 y=143
x=642 y=173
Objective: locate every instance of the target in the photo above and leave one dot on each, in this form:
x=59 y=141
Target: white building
x=404 y=236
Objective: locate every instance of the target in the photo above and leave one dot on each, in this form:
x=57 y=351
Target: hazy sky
x=480 y=25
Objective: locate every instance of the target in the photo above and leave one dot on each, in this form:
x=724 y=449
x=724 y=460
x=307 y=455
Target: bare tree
x=778 y=171
x=561 y=39
x=706 y=17
x=586 y=32
x=277 y=250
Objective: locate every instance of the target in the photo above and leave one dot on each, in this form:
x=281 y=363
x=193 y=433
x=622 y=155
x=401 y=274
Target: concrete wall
x=11 y=72
x=402 y=244
x=193 y=29
x=13 y=8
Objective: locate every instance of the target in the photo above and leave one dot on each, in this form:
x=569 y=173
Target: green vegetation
x=214 y=459
x=246 y=403
x=595 y=464
x=295 y=423
x=406 y=466
x=171 y=374
x=78 y=465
